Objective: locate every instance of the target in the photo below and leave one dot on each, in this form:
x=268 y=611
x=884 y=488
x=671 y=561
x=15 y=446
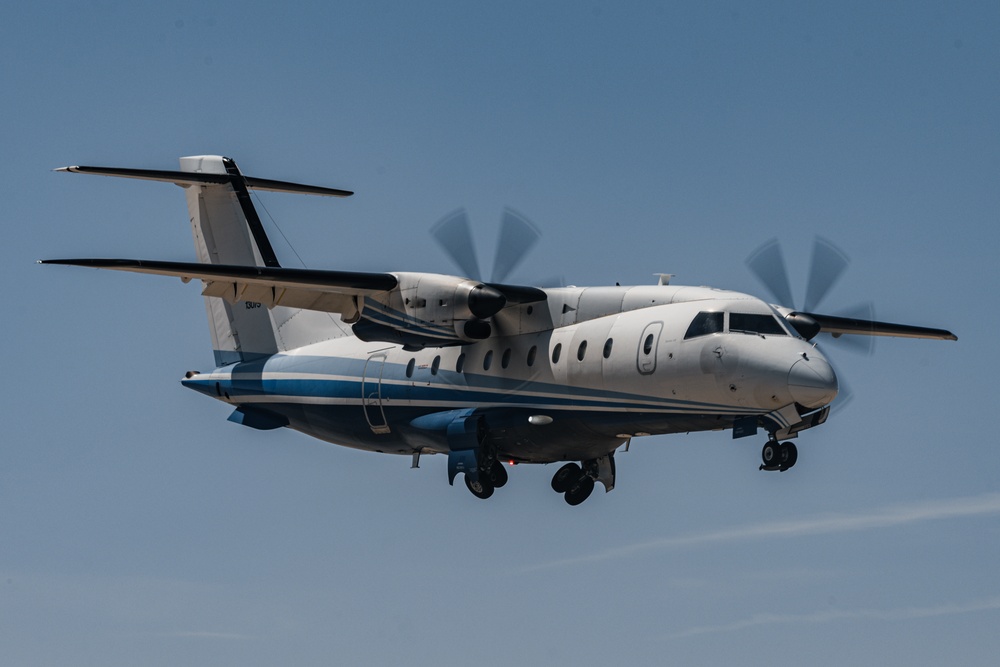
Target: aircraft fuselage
x=561 y=382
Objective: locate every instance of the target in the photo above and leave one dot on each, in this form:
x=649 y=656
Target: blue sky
x=140 y=527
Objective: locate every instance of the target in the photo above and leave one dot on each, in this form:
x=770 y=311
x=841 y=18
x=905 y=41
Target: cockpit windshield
x=755 y=324
x=706 y=323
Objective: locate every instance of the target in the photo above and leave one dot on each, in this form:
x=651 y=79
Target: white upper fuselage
x=625 y=356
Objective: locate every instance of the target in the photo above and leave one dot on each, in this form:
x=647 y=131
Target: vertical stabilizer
x=227 y=231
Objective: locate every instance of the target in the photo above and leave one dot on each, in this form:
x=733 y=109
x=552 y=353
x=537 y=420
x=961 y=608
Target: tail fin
x=227 y=230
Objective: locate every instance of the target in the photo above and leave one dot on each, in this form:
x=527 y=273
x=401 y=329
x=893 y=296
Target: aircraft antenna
x=274 y=222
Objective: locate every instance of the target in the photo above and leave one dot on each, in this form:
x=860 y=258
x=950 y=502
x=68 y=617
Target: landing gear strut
x=778 y=455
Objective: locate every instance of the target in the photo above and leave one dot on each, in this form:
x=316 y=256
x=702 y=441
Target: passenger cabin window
x=409 y=368
x=704 y=324
x=607 y=347
x=505 y=359
x=556 y=351
x=460 y=363
x=755 y=324
x=531 y=355
x=435 y=365
x=488 y=360
x=581 y=351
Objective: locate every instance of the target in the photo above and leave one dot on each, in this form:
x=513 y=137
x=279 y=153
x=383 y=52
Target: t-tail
x=228 y=231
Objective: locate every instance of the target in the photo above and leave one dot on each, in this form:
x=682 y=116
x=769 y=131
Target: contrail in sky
x=831 y=615
x=883 y=517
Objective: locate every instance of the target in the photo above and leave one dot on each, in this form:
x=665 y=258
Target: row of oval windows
x=581 y=353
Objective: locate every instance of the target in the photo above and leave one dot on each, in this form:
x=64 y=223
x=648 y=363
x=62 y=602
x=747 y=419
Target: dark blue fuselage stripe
x=526 y=392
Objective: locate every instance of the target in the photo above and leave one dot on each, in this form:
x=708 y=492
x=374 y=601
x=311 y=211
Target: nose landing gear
x=778 y=456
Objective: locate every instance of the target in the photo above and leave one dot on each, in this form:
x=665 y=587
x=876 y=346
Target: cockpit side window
x=704 y=324
x=755 y=324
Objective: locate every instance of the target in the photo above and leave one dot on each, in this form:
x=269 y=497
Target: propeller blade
x=828 y=264
x=768 y=264
x=844 y=393
x=517 y=237
x=454 y=234
x=551 y=281
x=858 y=344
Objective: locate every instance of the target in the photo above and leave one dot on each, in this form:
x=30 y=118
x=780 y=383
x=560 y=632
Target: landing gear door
x=371 y=393
x=648 y=342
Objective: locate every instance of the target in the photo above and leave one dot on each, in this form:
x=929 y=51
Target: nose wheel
x=778 y=456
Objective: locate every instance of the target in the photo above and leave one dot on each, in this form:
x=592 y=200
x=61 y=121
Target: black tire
x=498 y=474
x=481 y=489
x=565 y=477
x=771 y=454
x=580 y=491
x=789 y=455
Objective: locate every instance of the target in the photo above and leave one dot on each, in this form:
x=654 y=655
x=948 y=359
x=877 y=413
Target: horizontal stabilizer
x=199 y=178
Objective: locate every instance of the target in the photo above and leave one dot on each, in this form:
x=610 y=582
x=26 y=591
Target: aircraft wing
x=810 y=324
x=311 y=289
x=327 y=291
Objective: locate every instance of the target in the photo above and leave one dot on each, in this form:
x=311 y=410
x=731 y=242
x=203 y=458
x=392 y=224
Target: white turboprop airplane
x=486 y=372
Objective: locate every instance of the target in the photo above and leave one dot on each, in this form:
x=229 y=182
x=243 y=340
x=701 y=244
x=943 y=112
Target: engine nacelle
x=428 y=309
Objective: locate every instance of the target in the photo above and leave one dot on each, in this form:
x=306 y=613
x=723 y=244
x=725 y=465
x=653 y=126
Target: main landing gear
x=778 y=455
x=572 y=481
x=576 y=482
x=484 y=473
x=488 y=480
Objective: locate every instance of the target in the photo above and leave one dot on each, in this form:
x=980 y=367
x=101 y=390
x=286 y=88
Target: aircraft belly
x=585 y=435
x=346 y=426
x=571 y=435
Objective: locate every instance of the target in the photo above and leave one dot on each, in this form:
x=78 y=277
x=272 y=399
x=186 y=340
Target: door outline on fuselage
x=645 y=362
x=371 y=393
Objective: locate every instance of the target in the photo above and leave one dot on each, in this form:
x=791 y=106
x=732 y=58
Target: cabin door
x=371 y=393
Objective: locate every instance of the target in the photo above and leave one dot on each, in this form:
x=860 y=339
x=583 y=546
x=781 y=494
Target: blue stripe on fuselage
x=339 y=379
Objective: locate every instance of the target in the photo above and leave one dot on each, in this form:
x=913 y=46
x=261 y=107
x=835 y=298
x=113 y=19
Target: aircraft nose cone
x=812 y=382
